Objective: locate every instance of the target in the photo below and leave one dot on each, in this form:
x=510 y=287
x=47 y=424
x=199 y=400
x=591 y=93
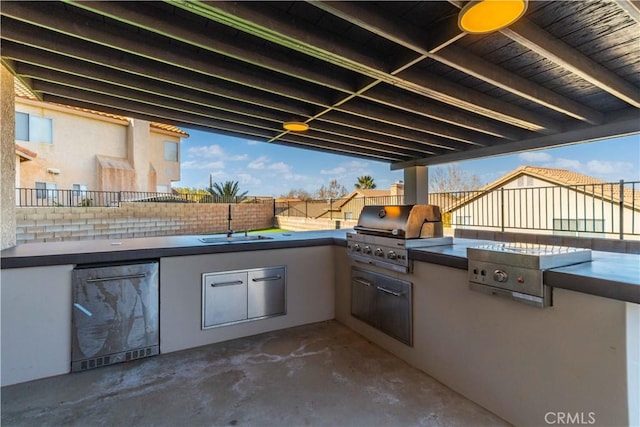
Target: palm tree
x=365 y=182
x=226 y=192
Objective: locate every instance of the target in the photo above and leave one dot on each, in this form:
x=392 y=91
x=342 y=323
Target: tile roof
x=557 y=176
x=22 y=91
x=25 y=153
x=373 y=193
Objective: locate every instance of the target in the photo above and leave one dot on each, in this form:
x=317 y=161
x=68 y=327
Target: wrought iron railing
x=603 y=210
x=599 y=209
x=35 y=197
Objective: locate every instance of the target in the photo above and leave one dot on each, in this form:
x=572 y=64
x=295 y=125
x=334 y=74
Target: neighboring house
x=555 y=201
x=71 y=148
x=349 y=206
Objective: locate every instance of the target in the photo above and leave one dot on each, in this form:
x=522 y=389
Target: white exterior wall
x=533 y=207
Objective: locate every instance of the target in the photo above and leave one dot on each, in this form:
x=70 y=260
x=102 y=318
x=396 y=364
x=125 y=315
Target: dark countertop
x=119 y=250
x=609 y=275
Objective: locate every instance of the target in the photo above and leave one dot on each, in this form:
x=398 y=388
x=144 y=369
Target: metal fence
x=609 y=210
x=604 y=209
x=35 y=197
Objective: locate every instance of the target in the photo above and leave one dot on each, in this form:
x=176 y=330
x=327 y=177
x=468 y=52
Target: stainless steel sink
x=234 y=239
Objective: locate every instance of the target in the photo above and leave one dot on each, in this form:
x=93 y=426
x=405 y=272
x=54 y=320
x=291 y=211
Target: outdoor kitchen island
x=523 y=363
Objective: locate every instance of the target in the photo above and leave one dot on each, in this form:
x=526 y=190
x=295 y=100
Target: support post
x=416 y=185
x=621 y=209
x=7 y=160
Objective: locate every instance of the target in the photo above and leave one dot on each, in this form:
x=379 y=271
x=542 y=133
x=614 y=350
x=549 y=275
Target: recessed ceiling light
x=295 y=126
x=485 y=16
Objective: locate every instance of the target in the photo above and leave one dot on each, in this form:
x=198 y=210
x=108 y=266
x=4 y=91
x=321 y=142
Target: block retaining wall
x=134 y=219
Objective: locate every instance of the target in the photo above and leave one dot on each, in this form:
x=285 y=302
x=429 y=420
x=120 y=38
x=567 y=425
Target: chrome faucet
x=229 y=230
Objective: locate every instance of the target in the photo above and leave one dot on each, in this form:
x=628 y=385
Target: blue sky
x=265 y=169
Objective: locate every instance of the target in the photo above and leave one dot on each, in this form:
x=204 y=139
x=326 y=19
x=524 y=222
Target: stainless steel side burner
x=515 y=270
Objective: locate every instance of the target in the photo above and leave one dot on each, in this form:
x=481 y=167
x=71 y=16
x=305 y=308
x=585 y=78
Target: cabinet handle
x=267 y=279
x=235 y=282
x=124 y=277
x=388 y=291
x=362 y=281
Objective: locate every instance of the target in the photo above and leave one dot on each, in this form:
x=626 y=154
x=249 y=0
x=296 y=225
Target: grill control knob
x=366 y=250
x=392 y=255
x=356 y=247
x=500 y=276
x=379 y=252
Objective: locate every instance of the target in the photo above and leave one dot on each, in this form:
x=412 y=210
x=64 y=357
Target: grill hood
x=401 y=221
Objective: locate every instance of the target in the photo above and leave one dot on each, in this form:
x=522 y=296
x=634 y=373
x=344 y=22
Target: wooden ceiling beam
x=618 y=124
x=162 y=95
x=416 y=123
x=115 y=44
x=410 y=103
x=31 y=60
x=632 y=7
x=257 y=22
x=136 y=108
x=143 y=15
x=168 y=69
x=544 y=44
x=53 y=82
x=457 y=58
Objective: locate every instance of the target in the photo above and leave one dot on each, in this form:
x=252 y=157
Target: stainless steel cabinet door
x=266 y=292
x=224 y=298
x=394 y=309
x=363 y=297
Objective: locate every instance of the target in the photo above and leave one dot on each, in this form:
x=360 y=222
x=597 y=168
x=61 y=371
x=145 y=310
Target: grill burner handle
x=378 y=231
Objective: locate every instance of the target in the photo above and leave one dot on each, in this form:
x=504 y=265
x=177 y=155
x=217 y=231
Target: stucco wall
x=518 y=361
x=7 y=160
x=77 y=138
x=134 y=219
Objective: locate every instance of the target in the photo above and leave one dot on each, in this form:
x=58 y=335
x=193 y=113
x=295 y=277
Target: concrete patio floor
x=320 y=375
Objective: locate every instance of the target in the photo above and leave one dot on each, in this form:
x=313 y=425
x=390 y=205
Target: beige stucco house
x=60 y=147
x=349 y=206
x=550 y=201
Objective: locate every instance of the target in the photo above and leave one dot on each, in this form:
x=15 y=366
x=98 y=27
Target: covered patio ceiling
x=393 y=81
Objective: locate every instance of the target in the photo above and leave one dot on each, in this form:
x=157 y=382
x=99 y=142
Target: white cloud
x=571 y=164
x=237 y=158
x=535 y=157
x=259 y=163
x=197 y=164
x=279 y=167
x=348 y=170
x=264 y=163
x=252 y=142
x=338 y=170
x=247 y=179
x=207 y=151
x=608 y=168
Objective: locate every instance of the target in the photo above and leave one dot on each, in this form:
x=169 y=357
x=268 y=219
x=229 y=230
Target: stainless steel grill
x=515 y=270
x=382 y=232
